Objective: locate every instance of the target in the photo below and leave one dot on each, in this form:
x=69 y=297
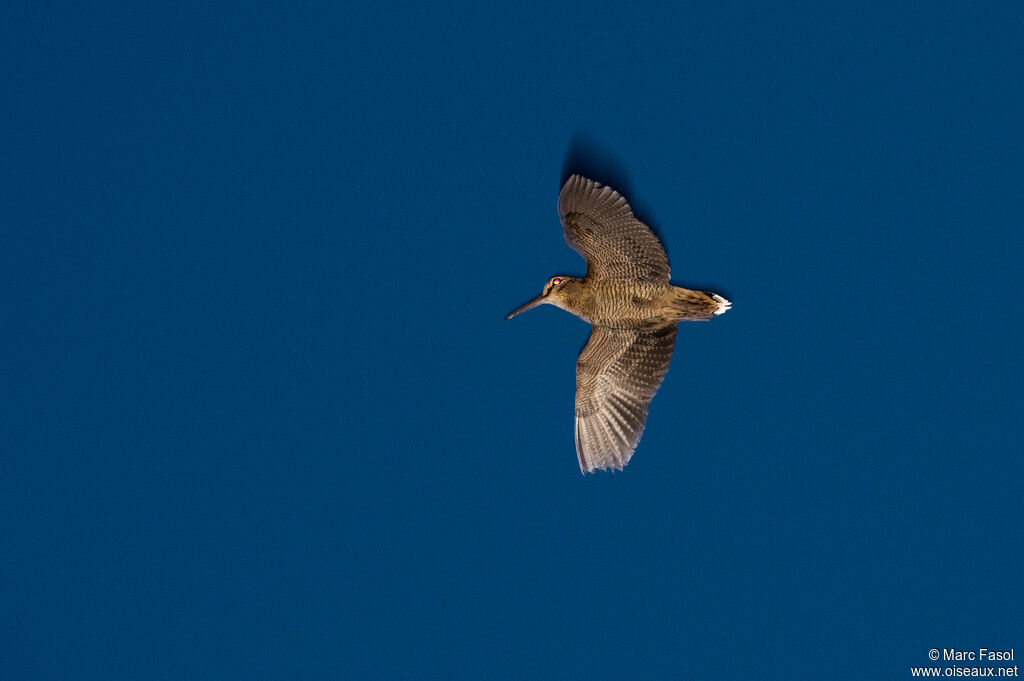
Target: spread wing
x=600 y=226
x=617 y=374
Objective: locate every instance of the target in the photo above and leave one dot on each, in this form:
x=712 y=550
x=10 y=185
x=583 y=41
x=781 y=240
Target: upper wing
x=600 y=226
x=617 y=374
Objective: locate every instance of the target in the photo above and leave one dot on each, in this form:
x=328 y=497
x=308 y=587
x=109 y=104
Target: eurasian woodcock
x=634 y=312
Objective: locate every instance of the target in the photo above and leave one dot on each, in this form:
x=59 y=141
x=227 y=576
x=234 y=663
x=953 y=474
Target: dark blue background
x=261 y=419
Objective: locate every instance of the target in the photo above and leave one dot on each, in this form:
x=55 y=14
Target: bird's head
x=553 y=294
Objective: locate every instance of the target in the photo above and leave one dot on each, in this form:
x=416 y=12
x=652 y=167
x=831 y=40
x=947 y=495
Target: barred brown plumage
x=634 y=310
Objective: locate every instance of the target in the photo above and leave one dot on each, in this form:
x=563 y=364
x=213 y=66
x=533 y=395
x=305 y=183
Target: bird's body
x=634 y=311
x=628 y=304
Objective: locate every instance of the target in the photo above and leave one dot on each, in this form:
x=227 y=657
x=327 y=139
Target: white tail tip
x=723 y=304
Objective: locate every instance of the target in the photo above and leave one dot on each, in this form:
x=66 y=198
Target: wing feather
x=617 y=374
x=600 y=226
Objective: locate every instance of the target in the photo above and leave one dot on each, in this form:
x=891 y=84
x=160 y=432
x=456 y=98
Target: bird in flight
x=633 y=310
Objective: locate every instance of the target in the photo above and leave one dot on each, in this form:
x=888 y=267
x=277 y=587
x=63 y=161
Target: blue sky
x=261 y=417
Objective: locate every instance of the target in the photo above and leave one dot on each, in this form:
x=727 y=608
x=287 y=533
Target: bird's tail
x=688 y=305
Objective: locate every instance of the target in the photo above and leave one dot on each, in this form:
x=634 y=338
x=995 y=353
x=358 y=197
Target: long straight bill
x=533 y=303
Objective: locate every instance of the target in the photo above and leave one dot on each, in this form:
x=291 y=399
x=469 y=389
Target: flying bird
x=633 y=310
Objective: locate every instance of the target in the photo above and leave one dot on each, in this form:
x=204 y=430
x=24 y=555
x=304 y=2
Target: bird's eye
x=556 y=281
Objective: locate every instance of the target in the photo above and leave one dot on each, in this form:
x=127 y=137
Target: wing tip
x=606 y=458
x=579 y=450
x=579 y=190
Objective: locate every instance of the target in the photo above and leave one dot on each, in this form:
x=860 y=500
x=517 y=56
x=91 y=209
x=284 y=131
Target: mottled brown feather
x=617 y=374
x=600 y=226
